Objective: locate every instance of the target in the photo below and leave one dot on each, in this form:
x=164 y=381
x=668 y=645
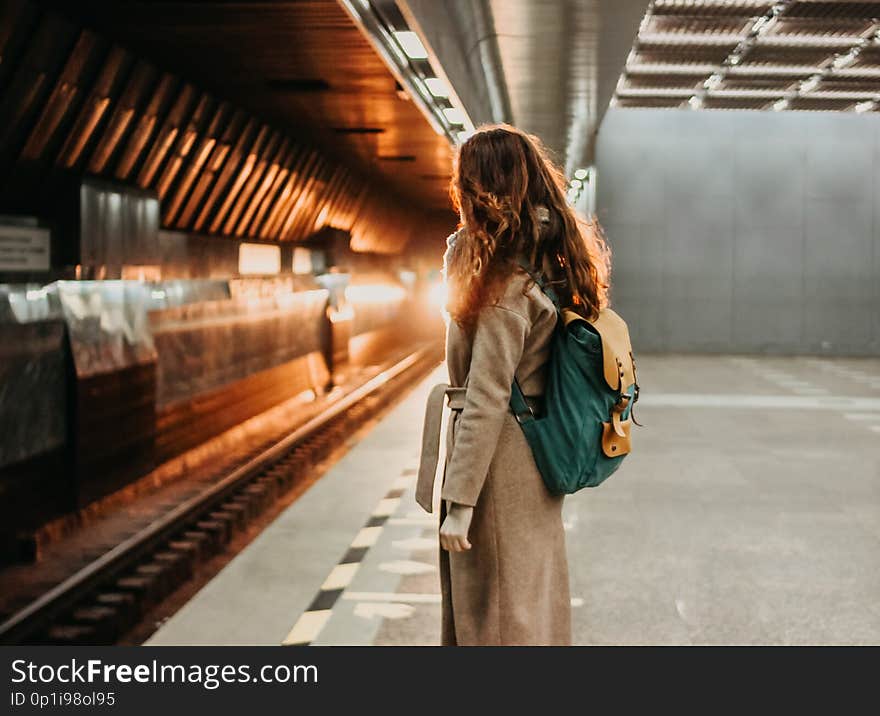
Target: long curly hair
x=511 y=200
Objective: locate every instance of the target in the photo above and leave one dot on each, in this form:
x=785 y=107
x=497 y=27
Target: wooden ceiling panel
x=272 y=123
x=273 y=58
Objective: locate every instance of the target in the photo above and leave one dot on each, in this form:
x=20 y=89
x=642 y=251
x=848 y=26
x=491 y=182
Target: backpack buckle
x=622 y=401
x=524 y=416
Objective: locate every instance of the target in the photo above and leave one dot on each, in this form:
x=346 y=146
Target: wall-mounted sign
x=259 y=259
x=24 y=248
x=302 y=260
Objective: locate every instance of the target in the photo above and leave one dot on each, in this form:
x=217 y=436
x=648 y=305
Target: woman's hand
x=454 y=530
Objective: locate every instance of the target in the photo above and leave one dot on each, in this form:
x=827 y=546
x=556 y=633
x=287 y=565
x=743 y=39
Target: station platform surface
x=749 y=513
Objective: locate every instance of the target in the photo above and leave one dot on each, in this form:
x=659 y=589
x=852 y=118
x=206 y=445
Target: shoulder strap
x=543 y=282
x=518 y=403
x=520 y=408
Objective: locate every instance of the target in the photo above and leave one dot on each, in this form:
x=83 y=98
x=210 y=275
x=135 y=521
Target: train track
x=109 y=596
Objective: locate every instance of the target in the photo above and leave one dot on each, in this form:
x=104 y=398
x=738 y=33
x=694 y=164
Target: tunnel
x=223 y=306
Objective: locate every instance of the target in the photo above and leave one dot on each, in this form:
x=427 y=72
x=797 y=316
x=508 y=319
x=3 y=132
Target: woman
x=504 y=574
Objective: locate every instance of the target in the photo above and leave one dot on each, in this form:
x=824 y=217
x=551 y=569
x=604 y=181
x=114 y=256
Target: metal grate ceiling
x=817 y=55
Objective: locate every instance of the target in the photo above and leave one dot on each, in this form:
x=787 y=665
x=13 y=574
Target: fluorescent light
x=810 y=84
x=576 y=184
x=581 y=174
x=842 y=61
x=714 y=81
x=760 y=24
x=411 y=45
x=437 y=87
x=454 y=115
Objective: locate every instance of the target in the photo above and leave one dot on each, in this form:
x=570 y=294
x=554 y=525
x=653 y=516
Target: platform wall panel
x=744 y=231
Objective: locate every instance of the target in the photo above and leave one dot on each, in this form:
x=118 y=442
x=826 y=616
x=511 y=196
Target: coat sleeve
x=499 y=340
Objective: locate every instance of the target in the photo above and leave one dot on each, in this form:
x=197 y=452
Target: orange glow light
x=374 y=293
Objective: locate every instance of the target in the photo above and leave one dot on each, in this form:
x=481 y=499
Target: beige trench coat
x=511 y=587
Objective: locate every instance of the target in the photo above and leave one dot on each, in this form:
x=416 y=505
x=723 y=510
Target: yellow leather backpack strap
x=618 y=367
x=568 y=316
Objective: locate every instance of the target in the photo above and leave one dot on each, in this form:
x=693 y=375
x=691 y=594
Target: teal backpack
x=583 y=432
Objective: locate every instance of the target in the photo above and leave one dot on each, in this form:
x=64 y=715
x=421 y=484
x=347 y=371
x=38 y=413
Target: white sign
x=259 y=259
x=24 y=248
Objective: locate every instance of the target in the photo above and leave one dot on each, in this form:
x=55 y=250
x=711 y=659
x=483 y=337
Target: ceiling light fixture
x=847 y=59
x=419 y=79
x=714 y=81
x=760 y=24
x=411 y=44
x=763 y=22
x=581 y=174
x=808 y=85
x=454 y=115
x=437 y=87
x=423 y=90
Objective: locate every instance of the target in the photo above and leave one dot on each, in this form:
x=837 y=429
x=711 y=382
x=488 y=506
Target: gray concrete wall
x=744 y=231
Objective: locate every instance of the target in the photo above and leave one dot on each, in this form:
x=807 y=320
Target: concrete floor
x=748 y=514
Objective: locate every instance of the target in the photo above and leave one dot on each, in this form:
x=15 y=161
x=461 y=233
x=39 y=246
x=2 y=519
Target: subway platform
x=749 y=513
